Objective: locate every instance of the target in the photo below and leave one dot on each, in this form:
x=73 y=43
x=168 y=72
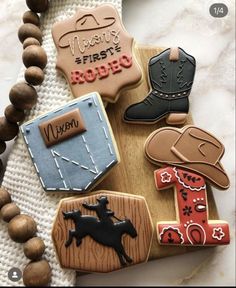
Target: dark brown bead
x=34 y=248
x=5 y=197
x=21 y=228
x=31 y=17
x=29 y=30
x=37 y=273
x=30 y=41
x=23 y=96
x=14 y=115
x=38 y=6
x=34 y=75
x=34 y=55
x=9 y=211
x=3 y=146
x=8 y=130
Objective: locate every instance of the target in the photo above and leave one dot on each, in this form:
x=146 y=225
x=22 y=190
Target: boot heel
x=176 y=118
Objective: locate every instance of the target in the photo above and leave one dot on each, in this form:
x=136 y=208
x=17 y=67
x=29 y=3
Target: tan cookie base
x=135 y=173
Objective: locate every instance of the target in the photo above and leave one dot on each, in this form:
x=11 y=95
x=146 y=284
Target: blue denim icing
x=77 y=163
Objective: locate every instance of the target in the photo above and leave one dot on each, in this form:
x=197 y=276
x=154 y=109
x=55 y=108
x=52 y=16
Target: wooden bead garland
x=34 y=55
x=34 y=248
x=2 y=146
x=30 y=41
x=31 y=17
x=37 y=273
x=37 y=6
x=21 y=228
x=5 y=197
x=34 y=75
x=14 y=115
x=9 y=211
x=8 y=130
x=29 y=30
x=23 y=96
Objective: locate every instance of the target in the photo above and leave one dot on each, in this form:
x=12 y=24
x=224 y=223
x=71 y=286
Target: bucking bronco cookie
x=102 y=232
x=72 y=147
x=95 y=53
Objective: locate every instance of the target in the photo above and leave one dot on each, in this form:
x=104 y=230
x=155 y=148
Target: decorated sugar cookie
x=191 y=148
x=193 y=156
x=171 y=75
x=72 y=147
x=102 y=232
x=95 y=53
x=193 y=226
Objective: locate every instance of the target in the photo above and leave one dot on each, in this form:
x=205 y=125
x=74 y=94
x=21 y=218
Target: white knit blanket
x=20 y=177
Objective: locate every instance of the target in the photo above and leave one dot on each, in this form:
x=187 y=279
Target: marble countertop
x=187 y=24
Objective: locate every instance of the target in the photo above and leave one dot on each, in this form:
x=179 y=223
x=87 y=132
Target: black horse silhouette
x=102 y=231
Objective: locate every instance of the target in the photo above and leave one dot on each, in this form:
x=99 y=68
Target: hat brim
x=158 y=150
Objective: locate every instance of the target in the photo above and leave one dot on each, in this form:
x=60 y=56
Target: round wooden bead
x=9 y=211
x=3 y=146
x=21 y=228
x=30 y=41
x=5 y=197
x=31 y=17
x=37 y=273
x=34 y=55
x=29 y=30
x=34 y=248
x=23 y=96
x=8 y=130
x=38 y=6
x=14 y=115
x=34 y=75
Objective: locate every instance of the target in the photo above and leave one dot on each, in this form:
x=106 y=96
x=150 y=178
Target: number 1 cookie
x=191 y=155
x=193 y=226
x=95 y=53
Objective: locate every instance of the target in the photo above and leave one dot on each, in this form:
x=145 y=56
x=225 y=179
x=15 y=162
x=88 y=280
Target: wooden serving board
x=134 y=174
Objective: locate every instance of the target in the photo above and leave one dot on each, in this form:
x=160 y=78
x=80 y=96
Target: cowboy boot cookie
x=171 y=75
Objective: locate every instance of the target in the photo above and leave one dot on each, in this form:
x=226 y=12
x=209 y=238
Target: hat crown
x=197 y=145
x=87 y=22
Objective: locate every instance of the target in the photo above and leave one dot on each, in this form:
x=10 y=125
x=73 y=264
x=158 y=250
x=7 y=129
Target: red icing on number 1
x=193 y=226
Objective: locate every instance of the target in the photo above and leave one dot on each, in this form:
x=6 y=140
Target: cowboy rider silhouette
x=104 y=214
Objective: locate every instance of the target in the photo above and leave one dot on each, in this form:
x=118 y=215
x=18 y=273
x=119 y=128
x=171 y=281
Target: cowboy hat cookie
x=102 y=232
x=192 y=227
x=190 y=155
x=72 y=147
x=95 y=53
x=171 y=75
x=191 y=148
